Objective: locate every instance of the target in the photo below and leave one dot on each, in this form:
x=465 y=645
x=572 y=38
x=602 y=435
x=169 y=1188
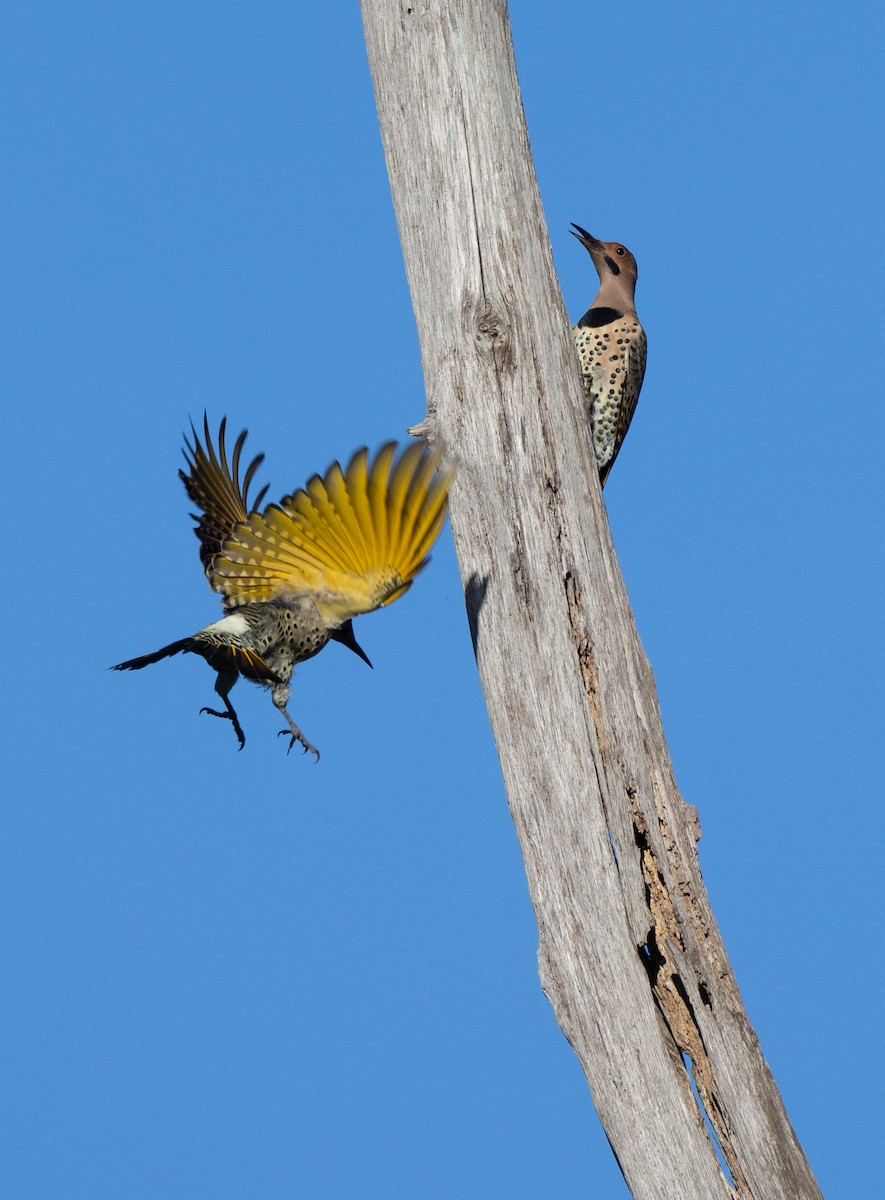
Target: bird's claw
x=299 y=737
x=226 y=716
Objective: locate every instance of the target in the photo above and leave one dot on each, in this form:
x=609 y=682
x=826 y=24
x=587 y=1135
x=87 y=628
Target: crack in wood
x=520 y=572
x=670 y=992
x=477 y=241
x=586 y=660
x=491 y=331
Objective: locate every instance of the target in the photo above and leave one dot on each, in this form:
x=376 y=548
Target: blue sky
x=245 y=974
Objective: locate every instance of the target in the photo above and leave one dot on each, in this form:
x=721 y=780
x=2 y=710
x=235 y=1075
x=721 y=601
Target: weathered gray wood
x=630 y=955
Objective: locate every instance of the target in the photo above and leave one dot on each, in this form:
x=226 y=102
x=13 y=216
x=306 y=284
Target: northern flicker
x=611 y=348
x=294 y=575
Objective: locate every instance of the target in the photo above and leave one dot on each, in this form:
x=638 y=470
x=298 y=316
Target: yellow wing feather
x=214 y=486
x=339 y=496
x=378 y=495
x=356 y=481
x=423 y=514
x=351 y=540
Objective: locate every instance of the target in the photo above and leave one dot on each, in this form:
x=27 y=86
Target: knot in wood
x=491 y=332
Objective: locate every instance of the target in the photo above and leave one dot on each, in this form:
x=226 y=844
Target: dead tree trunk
x=630 y=955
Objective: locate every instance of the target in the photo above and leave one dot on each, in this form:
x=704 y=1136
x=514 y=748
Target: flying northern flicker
x=611 y=348
x=294 y=575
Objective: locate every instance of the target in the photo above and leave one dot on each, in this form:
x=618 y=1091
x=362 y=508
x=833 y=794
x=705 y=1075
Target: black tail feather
x=135 y=664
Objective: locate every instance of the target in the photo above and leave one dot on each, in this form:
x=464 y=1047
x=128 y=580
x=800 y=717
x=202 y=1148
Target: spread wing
x=351 y=540
x=214 y=486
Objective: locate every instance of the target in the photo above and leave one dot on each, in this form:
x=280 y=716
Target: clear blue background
x=232 y=975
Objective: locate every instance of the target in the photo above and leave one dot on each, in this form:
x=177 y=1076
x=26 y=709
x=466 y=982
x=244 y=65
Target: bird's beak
x=586 y=239
x=344 y=635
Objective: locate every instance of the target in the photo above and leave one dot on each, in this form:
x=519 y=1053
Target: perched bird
x=611 y=348
x=294 y=575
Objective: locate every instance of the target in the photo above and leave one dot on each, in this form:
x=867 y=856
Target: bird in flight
x=293 y=575
x=611 y=348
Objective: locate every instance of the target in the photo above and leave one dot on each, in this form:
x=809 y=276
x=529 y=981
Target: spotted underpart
x=612 y=357
x=265 y=641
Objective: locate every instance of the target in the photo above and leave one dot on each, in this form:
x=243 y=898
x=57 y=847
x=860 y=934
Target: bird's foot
x=295 y=735
x=228 y=716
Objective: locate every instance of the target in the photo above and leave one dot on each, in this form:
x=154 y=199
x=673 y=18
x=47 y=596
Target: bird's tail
x=221 y=656
x=135 y=664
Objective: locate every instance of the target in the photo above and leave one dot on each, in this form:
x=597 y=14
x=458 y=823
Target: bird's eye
x=620 y=250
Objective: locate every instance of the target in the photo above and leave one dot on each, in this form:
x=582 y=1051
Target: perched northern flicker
x=611 y=348
x=294 y=575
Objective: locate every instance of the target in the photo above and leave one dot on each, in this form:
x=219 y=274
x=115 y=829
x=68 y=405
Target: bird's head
x=611 y=259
